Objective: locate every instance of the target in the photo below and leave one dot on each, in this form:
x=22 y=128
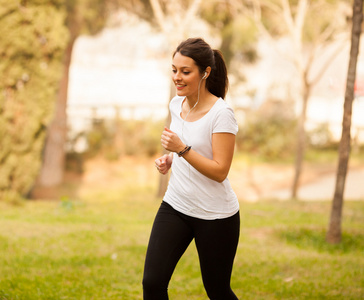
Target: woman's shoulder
x=222 y=105
x=224 y=118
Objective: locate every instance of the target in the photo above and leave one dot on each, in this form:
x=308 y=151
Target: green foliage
x=322 y=138
x=99 y=138
x=318 y=20
x=141 y=137
x=86 y=16
x=34 y=37
x=238 y=30
x=273 y=137
x=31 y=46
x=269 y=137
x=244 y=34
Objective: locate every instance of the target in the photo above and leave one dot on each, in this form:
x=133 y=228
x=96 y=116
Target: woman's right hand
x=163 y=164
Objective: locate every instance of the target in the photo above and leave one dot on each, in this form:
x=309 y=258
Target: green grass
x=94 y=248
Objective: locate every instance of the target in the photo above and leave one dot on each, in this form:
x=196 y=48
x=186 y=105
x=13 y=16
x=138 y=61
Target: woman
x=199 y=203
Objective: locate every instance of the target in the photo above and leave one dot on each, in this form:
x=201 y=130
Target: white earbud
x=204 y=76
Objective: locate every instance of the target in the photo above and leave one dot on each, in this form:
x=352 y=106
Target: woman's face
x=185 y=75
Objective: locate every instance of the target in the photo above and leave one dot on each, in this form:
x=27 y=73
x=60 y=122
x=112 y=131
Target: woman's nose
x=176 y=76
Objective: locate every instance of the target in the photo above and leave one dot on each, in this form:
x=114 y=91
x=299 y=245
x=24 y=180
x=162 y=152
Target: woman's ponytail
x=218 y=83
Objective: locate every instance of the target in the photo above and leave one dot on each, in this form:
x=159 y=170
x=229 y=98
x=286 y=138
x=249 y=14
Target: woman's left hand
x=171 y=141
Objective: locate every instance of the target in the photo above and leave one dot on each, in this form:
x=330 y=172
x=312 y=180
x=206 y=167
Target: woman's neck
x=192 y=100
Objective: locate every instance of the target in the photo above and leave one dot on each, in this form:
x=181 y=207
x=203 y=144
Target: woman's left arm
x=216 y=168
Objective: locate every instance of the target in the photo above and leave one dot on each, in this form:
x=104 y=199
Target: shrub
x=113 y=139
x=271 y=137
x=32 y=43
x=322 y=138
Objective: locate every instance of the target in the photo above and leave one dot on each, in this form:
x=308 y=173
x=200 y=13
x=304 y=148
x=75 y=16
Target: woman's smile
x=180 y=86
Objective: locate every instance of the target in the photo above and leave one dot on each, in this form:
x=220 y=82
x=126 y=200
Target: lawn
x=94 y=248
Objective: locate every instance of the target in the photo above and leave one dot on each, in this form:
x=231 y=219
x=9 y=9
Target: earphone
x=184 y=120
x=198 y=99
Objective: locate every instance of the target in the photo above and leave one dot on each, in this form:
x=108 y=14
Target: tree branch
x=192 y=11
x=328 y=61
x=287 y=16
x=158 y=13
x=301 y=14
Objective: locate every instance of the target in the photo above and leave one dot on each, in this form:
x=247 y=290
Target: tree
x=310 y=28
x=334 y=231
x=82 y=16
x=31 y=46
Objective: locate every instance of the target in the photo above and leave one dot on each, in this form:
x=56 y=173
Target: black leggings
x=216 y=243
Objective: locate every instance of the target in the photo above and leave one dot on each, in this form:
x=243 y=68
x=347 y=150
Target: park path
x=323 y=188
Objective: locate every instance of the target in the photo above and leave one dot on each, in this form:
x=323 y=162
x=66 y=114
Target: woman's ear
x=207 y=73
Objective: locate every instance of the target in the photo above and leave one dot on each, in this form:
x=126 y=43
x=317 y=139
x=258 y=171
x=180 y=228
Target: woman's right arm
x=164 y=163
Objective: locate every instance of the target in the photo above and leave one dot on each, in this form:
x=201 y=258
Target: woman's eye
x=184 y=72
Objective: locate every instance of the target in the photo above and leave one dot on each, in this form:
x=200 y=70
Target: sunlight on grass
x=94 y=248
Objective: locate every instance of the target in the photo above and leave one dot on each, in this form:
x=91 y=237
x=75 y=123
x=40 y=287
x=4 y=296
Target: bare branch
x=301 y=14
x=287 y=16
x=158 y=13
x=329 y=60
x=273 y=7
x=192 y=11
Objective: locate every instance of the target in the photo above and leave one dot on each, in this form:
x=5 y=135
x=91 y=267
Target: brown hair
x=197 y=49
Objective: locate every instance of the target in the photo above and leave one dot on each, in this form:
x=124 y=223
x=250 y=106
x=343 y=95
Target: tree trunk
x=52 y=170
x=301 y=141
x=334 y=231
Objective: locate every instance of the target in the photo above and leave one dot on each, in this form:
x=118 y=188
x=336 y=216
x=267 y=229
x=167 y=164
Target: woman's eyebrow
x=184 y=67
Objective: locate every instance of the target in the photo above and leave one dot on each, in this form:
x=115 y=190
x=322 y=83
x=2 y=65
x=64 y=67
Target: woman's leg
x=216 y=243
x=169 y=239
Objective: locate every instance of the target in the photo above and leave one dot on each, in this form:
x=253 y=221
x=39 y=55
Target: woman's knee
x=151 y=282
x=154 y=288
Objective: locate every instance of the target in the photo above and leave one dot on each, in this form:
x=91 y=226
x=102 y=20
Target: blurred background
x=85 y=86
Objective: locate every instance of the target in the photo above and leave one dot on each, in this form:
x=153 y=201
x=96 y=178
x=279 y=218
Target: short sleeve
x=225 y=121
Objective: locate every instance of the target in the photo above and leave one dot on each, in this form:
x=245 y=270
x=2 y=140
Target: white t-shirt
x=189 y=191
